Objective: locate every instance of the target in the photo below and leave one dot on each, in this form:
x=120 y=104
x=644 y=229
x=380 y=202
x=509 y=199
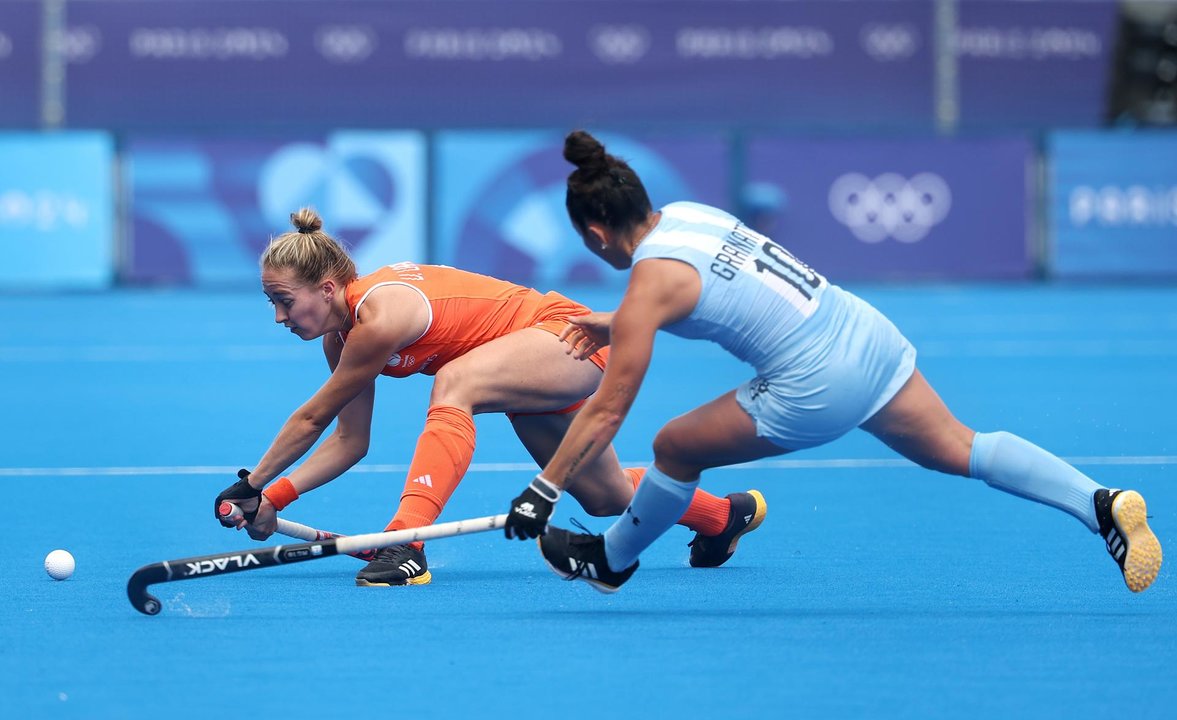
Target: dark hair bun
x=306 y=221
x=584 y=150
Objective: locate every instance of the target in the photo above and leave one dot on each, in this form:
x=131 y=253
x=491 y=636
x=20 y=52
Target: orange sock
x=443 y=455
x=707 y=514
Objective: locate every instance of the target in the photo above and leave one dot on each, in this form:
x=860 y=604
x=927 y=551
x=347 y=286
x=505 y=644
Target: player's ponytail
x=312 y=254
x=603 y=188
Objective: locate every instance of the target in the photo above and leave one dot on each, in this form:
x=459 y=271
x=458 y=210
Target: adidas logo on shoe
x=396 y=565
x=586 y=569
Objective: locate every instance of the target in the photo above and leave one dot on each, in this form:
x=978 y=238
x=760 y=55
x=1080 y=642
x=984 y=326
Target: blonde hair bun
x=306 y=221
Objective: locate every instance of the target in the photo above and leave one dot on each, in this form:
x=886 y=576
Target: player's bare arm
x=391 y=318
x=656 y=296
x=660 y=292
x=339 y=452
x=348 y=443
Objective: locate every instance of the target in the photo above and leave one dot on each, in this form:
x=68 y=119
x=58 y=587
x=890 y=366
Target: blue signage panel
x=895 y=209
x=203 y=210
x=56 y=210
x=1113 y=204
x=499 y=199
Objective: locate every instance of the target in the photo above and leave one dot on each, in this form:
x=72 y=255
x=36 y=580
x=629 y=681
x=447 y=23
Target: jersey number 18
x=780 y=262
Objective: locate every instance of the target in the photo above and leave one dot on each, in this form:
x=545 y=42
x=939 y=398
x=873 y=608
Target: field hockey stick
x=241 y=560
x=289 y=528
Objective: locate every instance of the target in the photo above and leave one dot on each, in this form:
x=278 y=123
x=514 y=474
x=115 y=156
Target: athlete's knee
x=453 y=385
x=674 y=453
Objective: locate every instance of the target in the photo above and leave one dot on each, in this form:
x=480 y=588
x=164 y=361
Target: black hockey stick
x=242 y=560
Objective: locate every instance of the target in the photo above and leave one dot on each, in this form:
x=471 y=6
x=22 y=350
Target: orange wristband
x=281 y=493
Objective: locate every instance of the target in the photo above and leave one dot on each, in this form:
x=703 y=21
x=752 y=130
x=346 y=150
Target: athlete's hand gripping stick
x=240 y=492
x=531 y=511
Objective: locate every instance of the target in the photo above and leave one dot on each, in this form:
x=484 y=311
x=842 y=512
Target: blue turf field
x=874 y=588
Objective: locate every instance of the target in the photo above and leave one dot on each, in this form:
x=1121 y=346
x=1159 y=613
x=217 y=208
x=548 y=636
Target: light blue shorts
x=843 y=364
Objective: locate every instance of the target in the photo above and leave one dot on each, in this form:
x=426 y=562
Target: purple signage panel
x=798 y=64
x=520 y=63
x=1034 y=64
x=20 y=63
x=203 y=210
x=895 y=209
x=499 y=199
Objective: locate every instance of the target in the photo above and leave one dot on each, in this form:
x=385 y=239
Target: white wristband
x=546 y=489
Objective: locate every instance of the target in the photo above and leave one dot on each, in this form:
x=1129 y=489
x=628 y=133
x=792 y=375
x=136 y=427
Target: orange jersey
x=466 y=310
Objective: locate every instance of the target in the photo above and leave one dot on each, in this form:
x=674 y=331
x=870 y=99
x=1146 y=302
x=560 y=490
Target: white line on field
x=786 y=464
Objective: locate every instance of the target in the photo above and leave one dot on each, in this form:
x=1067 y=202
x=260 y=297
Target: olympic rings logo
x=890 y=205
x=345 y=44
x=885 y=43
x=619 y=44
x=79 y=44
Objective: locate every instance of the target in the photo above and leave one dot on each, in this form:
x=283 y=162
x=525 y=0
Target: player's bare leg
x=917 y=424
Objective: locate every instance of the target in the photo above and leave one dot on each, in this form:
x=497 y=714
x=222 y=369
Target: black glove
x=531 y=511
x=238 y=491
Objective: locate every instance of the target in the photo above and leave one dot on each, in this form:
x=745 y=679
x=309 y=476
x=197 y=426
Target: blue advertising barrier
x=499 y=199
x=291 y=64
x=1113 y=204
x=895 y=209
x=56 y=211
x=202 y=211
x=20 y=63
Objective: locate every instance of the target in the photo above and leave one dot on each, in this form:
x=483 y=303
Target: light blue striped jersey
x=755 y=294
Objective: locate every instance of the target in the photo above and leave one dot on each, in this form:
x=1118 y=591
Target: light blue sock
x=658 y=503
x=1007 y=462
